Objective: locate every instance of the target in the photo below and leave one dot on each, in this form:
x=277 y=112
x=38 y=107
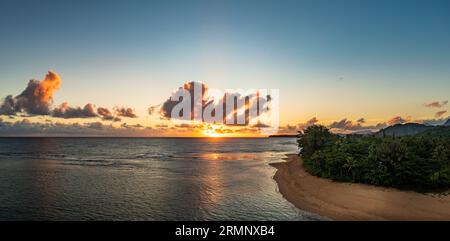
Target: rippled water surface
x=142 y=179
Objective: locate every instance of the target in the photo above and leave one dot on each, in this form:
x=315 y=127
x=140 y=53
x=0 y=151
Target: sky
x=331 y=60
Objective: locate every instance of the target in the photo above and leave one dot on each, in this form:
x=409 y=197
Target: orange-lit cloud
x=398 y=120
x=439 y=114
x=45 y=88
x=36 y=99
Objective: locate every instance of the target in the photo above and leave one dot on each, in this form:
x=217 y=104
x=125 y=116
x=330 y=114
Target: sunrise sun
x=214 y=131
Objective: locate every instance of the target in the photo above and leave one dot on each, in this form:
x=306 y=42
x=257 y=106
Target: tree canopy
x=420 y=162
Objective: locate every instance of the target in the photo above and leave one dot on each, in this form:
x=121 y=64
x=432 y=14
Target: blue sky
x=330 y=59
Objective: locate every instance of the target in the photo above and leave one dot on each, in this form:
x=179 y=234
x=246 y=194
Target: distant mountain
x=407 y=129
x=447 y=123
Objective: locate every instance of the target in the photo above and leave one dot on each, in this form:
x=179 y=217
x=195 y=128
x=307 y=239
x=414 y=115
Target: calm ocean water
x=142 y=179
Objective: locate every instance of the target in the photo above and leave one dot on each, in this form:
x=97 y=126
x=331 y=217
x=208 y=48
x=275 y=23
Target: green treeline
x=420 y=162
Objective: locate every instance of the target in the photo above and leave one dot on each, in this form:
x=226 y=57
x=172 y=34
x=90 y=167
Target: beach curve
x=349 y=201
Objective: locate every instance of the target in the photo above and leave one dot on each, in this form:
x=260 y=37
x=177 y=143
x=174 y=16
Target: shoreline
x=350 y=201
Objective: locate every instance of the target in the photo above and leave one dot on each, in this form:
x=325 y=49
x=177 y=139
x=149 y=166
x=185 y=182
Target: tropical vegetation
x=420 y=162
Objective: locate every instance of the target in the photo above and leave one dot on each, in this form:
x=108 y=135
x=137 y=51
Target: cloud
x=27 y=128
x=247 y=130
x=290 y=127
x=308 y=123
x=439 y=114
x=398 y=120
x=295 y=128
x=107 y=115
x=260 y=125
x=207 y=100
x=432 y=122
x=125 y=112
x=348 y=126
x=393 y=121
x=104 y=112
x=342 y=124
x=67 y=112
x=8 y=106
x=345 y=125
x=437 y=104
x=165 y=109
x=95 y=125
x=190 y=126
x=36 y=99
x=153 y=109
x=381 y=125
x=138 y=126
x=222 y=130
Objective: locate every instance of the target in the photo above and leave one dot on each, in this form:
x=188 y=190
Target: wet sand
x=348 y=201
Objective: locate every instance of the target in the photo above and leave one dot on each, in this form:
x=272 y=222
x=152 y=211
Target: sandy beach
x=347 y=201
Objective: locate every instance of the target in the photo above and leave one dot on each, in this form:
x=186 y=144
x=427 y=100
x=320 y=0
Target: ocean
x=143 y=179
